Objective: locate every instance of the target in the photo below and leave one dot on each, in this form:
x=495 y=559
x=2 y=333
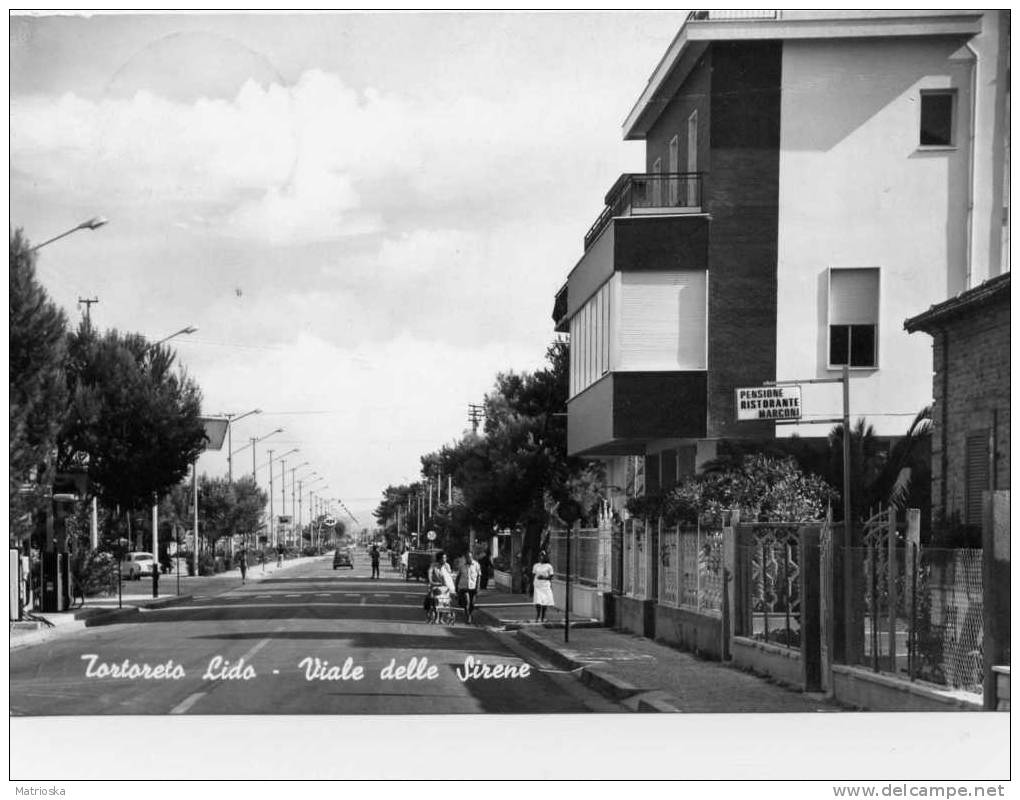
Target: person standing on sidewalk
x=262 y=559
x=375 y=561
x=242 y=562
x=543 y=574
x=467 y=585
x=279 y=555
x=485 y=570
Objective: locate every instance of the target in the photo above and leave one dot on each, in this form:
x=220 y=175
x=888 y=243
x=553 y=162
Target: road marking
x=180 y=708
x=292 y=595
x=363 y=599
x=276 y=672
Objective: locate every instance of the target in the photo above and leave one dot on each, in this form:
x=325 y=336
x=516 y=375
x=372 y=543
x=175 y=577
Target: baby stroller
x=439 y=607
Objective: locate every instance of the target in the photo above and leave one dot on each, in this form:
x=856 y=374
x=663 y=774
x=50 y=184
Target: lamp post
x=89 y=224
x=181 y=332
x=254 y=441
x=155 y=500
x=231 y=419
x=283 y=479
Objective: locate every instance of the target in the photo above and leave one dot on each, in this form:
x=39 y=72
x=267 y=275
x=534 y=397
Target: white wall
x=856 y=190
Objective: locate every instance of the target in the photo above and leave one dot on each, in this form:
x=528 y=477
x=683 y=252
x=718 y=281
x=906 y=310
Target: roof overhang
x=694 y=38
x=994 y=290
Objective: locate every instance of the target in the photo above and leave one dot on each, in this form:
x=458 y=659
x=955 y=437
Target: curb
x=597 y=676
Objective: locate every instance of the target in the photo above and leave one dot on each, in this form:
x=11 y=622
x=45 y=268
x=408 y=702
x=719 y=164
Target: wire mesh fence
x=920 y=613
x=588 y=564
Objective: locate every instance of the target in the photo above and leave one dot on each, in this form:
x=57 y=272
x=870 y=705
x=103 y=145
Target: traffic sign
x=431 y=536
x=329 y=522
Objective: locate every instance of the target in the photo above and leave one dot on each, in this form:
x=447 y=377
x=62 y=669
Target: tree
x=37 y=393
x=229 y=509
x=133 y=422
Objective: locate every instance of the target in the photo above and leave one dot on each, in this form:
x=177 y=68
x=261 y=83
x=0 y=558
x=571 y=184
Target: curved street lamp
x=181 y=332
x=231 y=419
x=89 y=224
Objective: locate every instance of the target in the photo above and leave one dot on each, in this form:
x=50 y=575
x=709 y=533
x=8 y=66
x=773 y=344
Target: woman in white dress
x=543 y=574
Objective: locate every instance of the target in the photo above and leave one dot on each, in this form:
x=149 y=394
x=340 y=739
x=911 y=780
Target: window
x=853 y=317
x=674 y=167
x=937 y=118
x=589 y=342
x=656 y=185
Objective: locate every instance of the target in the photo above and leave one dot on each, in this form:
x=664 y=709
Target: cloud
x=313 y=161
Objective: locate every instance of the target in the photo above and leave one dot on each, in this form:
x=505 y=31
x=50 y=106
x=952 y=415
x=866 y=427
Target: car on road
x=342 y=558
x=135 y=565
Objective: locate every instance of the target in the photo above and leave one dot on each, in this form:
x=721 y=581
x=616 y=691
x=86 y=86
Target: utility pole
x=272 y=521
x=475 y=413
x=88 y=301
x=283 y=487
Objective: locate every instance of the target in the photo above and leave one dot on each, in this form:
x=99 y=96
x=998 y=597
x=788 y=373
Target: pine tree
x=38 y=397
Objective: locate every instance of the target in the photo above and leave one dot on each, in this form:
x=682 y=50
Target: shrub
x=206 y=564
x=95 y=572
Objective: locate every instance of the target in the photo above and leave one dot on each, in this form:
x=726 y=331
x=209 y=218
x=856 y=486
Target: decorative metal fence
x=691 y=568
x=915 y=611
x=584 y=555
x=770 y=562
x=635 y=561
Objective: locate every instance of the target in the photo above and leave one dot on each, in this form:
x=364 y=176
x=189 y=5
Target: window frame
x=829 y=324
x=953 y=118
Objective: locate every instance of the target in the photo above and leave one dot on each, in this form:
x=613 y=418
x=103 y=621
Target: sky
x=366 y=216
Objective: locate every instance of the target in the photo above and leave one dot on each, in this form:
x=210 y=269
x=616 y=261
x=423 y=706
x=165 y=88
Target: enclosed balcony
x=654 y=193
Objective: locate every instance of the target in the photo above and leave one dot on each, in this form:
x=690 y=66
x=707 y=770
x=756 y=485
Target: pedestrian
x=485 y=570
x=468 y=576
x=403 y=562
x=262 y=560
x=242 y=562
x=375 y=561
x=440 y=580
x=279 y=555
x=543 y=574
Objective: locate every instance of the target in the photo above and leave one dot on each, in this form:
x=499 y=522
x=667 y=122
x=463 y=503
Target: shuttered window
x=589 y=342
x=977 y=477
x=663 y=321
x=853 y=317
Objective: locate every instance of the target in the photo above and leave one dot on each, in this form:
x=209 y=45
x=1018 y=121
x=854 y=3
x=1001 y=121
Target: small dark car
x=342 y=558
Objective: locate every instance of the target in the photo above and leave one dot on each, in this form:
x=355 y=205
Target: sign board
x=768 y=402
x=329 y=522
x=431 y=536
x=215 y=432
x=283 y=520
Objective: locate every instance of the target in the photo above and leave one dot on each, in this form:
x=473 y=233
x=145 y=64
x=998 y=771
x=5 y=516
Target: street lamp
x=89 y=224
x=231 y=419
x=252 y=444
x=181 y=332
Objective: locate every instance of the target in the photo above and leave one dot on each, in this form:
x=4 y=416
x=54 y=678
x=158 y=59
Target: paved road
x=249 y=650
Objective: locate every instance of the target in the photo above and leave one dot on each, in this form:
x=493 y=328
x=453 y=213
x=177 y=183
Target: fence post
x=995 y=589
x=910 y=553
x=810 y=607
x=892 y=598
x=730 y=579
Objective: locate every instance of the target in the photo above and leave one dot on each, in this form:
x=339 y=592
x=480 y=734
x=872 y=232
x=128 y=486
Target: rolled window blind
x=853 y=296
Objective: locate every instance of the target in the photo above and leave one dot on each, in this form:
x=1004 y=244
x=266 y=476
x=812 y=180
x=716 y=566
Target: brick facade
x=970 y=349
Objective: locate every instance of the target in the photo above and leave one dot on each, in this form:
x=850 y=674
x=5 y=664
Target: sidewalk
x=638 y=672
x=136 y=596
x=647 y=676
x=511 y=612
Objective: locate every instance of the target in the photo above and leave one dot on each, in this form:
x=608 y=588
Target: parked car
x=342 y=558
x=135 y=565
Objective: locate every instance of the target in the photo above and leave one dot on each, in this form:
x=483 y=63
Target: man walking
x=375 y=561
x=242 y=562
x=467 y=584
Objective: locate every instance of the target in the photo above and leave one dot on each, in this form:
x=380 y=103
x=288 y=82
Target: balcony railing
x=649 y=193
x=718 y=15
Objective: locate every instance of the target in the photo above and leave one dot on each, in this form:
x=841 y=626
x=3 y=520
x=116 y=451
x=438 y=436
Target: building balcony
x=648 y=194
x=723 y=15
x=624 y=411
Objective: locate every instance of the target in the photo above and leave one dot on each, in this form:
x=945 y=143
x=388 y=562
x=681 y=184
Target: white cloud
x=313 y=161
